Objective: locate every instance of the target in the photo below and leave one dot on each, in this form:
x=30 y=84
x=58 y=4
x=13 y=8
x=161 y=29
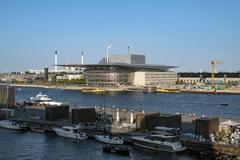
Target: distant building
x=154 y=78
x=127 y=70
x=69 y=77
x=220 y=78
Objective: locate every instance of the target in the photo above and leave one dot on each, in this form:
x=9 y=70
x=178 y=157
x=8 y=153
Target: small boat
x=37 y=129
x=44 y=100
x=109 y=139
x=159 y=142
x=224 y=104
x=12 y=125
x=70 y=132
x=149 y=89
x=121 y=150
x=168 y=91
x=93 y=90
x=134 y=89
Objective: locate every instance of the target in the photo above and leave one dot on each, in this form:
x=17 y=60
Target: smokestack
x=128 y=50
x=82 y=58
x=108 y=48
x=131 y=117
x=107 y=56
x=117 y=118
x=56 y=61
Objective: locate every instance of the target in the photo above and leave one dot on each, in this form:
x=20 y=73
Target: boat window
x=75 y=131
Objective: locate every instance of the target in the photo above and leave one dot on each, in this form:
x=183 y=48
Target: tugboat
x=121 y=150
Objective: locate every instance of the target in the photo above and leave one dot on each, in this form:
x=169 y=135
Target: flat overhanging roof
x=129 y=66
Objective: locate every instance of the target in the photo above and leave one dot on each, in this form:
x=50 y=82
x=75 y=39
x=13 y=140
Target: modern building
x=114 y=75
x=125 y=70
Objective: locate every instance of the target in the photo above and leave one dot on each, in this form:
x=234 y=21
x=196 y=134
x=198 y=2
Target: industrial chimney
x=56 y=61
x=117 y=118
x=82 y=58
x=108 y=48
x=131 y=117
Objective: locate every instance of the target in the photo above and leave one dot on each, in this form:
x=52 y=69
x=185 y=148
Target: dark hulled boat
x=121 y=150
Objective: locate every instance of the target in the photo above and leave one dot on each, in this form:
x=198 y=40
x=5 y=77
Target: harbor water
x=24 y=145
x=186 y=103
x=27 y=145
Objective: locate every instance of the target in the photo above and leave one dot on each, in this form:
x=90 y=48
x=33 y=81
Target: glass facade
x=107 y=78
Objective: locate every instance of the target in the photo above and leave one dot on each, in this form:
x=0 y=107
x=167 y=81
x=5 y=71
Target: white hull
x=43 y=99
x=158 y=145
x=10 y=125
x=68 y=134
x=109 y=140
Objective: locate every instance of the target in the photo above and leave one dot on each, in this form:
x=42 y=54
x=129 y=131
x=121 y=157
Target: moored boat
x=159 y=142
x=166 y=131
x=109 y=139
x=37 y=129
x=44 y=100
x=70 y=132
x=93 y=90
x=12 y=125
x=116 y=149
x=168 y=91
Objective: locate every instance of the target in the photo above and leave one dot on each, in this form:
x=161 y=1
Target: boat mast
x=7 y=91
x=7 y=88
x=104 y=112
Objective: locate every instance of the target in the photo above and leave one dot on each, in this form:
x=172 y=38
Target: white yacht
x=12 y=125
x=159 y=142
x=44 y=99
x=70 y=132
x=109 y=139
x=166 y=131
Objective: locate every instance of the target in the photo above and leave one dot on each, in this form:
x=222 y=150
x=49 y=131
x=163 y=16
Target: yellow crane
x=213 y=63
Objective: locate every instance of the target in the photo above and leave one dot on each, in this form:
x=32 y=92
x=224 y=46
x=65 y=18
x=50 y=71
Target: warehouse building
x=205 y=77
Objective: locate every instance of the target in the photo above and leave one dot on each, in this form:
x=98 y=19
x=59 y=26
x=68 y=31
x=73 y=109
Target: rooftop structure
x=127 y=59
x=121 y=66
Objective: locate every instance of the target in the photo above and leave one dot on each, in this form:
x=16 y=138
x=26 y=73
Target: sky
x=186 y=33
